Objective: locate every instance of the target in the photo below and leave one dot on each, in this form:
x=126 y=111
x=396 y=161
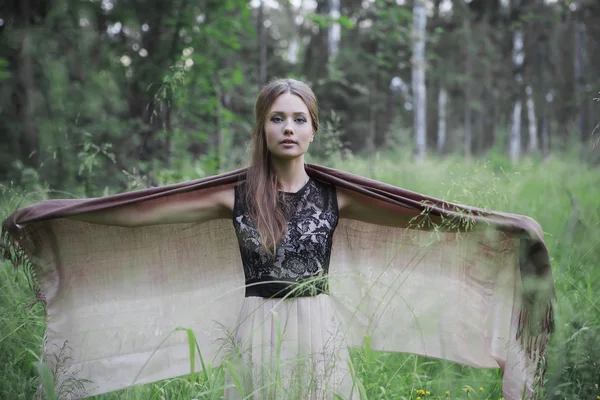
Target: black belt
x=278 y=288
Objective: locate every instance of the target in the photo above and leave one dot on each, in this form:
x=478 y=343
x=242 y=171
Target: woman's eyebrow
x=283 y=112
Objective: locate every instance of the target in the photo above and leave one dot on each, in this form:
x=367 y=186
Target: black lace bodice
x=303 y=253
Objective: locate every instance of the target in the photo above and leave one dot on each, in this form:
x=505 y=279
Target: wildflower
x=481 y=389
x=427 y=393
x=469 y=390
x=447 y=393
x=418 y=398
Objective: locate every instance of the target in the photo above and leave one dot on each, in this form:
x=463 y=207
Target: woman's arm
x=357 y=206
x=180 y=208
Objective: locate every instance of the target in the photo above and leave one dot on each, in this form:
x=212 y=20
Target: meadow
x=563 y=195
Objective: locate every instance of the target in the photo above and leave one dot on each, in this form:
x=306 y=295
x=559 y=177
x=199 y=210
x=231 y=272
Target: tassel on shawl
x=533 y=334
x=536 y=317
x=12 y=251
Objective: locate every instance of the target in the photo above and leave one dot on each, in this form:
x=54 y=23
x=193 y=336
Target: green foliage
x=134 y=77
x=597 y=140
x=96 y=100
x=329 y=144
x=21 y=333
x=155 y=80
x=4 y=72
x=402 y=376
x=326 y=21
x=563 y=196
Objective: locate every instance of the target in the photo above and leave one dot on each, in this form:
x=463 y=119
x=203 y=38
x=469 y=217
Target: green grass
x=563 y=196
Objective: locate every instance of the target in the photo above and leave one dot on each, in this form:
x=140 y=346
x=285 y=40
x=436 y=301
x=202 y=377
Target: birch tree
x=29 y=135
x=467 y=86
x=441 y=132
x=292 y=17
x=442 y=82
x=532 y=121
x=334 y=33
x=262 y=45
x=579 y=30
x=545 y=96
x=515 y=131
x=418 y=77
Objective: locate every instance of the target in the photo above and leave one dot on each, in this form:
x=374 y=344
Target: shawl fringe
x=534 y=335
x=12 y=251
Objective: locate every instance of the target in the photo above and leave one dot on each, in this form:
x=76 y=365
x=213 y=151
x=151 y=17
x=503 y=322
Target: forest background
x=487 y=102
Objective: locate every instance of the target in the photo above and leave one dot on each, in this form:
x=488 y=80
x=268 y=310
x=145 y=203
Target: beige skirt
x=289 y=349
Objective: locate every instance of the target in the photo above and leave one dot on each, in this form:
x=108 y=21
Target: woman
x=294 y=322
x=284 y=221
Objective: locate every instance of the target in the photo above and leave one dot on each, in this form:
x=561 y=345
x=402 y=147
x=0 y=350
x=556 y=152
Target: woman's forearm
x=181 y=208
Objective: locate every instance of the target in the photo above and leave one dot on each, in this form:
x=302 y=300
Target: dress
x=287 y=343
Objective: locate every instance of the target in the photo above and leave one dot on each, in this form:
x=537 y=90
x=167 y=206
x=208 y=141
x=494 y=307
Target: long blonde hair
x=262 y=186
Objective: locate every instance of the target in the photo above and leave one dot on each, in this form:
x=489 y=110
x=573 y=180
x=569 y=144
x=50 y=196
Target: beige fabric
x=114 y=296
x=418 y=292
x=120 y=334
x=292 y=348
x=118 y=317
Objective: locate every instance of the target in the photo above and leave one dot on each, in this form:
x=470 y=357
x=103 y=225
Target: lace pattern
x=305 y=250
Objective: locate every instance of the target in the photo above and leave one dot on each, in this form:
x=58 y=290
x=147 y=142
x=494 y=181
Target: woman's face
x=288 y=127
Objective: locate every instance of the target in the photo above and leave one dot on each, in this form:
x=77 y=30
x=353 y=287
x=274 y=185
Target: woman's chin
x=286 y=155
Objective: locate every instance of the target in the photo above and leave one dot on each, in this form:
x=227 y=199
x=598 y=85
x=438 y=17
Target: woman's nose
x=288 y=129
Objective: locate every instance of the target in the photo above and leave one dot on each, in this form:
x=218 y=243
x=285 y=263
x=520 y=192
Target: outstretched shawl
x=458 y=283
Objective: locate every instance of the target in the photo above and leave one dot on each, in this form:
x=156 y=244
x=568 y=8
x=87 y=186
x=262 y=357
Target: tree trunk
x=532 y=120
x=219 y=146
x=418 y=77
x=29 y=139
x=515 y=133
x=468 y=143
x=441 y=134
x=373 y=92
x=315 y=52
x=545 y=128
x=489 y=119
x=262 y=45
x=579 y=29
x=294 y=46
x=545 y=97
x=372 y=132
x=333 y=38
x=468 y=132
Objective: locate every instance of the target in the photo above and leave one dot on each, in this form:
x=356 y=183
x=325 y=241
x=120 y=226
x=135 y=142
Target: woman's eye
x=278 y=119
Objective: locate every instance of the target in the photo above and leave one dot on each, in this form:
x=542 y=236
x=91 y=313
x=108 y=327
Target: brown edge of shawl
x=536 y=318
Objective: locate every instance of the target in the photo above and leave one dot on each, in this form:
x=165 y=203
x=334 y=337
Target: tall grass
x=563 y=196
